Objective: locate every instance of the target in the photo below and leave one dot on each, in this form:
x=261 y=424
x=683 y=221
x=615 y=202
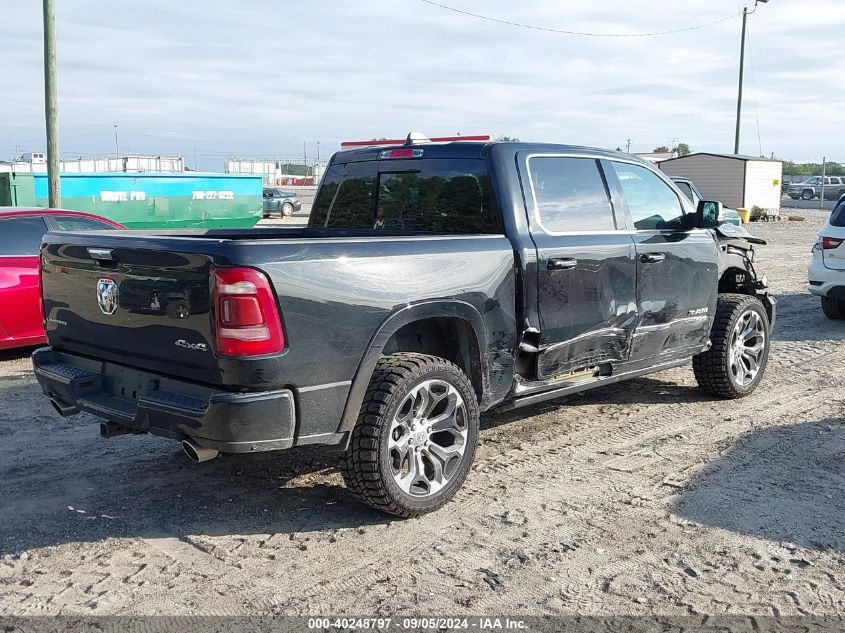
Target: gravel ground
x=646 y=497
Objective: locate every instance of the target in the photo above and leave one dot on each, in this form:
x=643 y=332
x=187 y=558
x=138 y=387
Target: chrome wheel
x=747 y=347
x=428 y=438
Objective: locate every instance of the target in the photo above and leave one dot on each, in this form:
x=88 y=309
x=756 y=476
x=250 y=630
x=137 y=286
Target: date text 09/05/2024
x=416 y=623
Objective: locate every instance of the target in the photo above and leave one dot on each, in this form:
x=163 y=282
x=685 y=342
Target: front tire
x=833 y=308
x=415 y=438
x=807 y=194
x=287 y=210
x=735 y=363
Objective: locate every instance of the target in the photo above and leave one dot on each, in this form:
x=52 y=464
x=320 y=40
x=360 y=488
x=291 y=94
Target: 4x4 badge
x=107 y=296
x=199 y=347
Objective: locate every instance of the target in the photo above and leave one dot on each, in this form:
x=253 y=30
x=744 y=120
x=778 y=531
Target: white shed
x=736 y=180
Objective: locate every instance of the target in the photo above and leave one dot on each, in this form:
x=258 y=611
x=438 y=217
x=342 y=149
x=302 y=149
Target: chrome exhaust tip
x=63 y=409
x=198 y=453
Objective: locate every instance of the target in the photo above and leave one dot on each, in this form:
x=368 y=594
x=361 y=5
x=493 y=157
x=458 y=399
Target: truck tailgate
x=140 y=306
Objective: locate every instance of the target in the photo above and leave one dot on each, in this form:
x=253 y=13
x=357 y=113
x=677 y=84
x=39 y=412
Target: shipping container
x=161 y=200
x=16 y=190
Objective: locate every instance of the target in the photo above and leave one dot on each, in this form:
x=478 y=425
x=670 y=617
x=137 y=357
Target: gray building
x=736 y=180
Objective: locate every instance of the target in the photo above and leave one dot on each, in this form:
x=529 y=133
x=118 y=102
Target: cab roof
x=474 y=149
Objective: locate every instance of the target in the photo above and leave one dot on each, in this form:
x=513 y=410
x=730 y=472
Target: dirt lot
x=646 y=497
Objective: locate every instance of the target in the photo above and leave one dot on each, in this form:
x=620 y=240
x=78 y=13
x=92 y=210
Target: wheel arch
x=735 y=278
x=467 y=351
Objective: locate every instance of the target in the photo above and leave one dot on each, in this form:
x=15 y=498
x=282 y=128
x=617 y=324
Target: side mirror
x=709 y=214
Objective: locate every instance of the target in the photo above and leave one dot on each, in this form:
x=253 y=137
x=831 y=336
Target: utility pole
x=50 y=105
x=741 y=70
x=305 y=156
x=824 y=173
x=745 y=13
x=195 y=158
x=116 y=143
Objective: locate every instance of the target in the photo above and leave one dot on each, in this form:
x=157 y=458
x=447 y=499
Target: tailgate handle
x=565 y=263
x=104 y=254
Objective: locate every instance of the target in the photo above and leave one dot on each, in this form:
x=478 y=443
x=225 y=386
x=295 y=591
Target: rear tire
x=833 y=308
x=415 y=438
x=736 y=361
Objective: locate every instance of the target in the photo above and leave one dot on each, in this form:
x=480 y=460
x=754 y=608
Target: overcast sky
x=258 y=78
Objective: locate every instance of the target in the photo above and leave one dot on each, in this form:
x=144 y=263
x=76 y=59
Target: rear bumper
x=145 y=402
x=827 y=289
x=824 y=281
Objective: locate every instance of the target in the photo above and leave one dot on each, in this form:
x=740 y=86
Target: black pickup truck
x=432 y=283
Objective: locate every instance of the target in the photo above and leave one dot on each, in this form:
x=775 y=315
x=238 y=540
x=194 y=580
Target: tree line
x=813 y=169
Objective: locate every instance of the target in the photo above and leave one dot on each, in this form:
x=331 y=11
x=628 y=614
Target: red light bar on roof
x=401 y=141
x=405 y=152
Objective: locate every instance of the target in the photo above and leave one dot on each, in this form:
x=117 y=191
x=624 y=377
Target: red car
x=20 y=293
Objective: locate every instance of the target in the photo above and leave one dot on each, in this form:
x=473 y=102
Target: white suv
x=827 y=268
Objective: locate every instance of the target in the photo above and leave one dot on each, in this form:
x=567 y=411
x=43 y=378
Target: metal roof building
x=737 y=180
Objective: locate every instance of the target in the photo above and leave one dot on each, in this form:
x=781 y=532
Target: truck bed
x=334 y=293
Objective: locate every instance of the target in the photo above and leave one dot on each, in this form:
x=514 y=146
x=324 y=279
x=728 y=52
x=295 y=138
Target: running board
x=533 y=396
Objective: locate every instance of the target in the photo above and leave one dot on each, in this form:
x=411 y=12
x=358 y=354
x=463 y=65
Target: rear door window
x=570 y=194
x=77 y=223
x=21 y=237
x=428 y=196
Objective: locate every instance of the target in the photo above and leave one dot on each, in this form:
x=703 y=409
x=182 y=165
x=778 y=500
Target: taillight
x=831 y=242
x=246 y=318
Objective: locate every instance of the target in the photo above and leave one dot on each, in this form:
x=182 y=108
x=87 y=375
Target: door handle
x=652 y=258
x=565 y=263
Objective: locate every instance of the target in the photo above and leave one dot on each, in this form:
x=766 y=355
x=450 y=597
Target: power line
x=579 y=33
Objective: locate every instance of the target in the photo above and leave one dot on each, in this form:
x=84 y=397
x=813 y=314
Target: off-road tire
x=833 y=308
x=365 y=464
x=712 y=368
x=286 y=210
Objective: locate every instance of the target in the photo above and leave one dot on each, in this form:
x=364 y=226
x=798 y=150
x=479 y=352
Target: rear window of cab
x=427 y=196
